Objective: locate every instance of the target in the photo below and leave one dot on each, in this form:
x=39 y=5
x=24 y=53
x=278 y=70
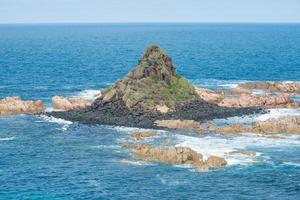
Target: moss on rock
x=153 y=82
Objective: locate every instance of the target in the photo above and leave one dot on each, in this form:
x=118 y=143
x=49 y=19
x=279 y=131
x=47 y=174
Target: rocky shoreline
x=118 y=114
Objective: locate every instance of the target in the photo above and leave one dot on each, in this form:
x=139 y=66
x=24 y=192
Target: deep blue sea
x=47 y=158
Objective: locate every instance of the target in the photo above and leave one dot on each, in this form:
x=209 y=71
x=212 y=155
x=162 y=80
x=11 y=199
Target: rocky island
x=150 y=92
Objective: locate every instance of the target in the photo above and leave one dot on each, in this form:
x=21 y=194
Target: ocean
x=48 y=158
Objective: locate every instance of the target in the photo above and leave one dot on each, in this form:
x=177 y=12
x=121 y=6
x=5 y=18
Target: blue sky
x=93 y=11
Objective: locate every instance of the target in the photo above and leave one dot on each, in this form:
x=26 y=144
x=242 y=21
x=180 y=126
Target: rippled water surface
x=46 y=158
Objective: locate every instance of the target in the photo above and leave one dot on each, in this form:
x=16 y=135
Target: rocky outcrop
x=152 y=83
x=213 y=162
x=151 y=91
x=143 y=135
x=242 y=98
x=176 y=155
x=280 y=87
x=15 y=105
x=287 y=124
x=284 y=125
x=210 y=95
x=65 y=103
x=177 y=124
x=259 y=101
x=234 y=129
x=169 y=155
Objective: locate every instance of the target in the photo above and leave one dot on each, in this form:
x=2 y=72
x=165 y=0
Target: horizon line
x=120 y=23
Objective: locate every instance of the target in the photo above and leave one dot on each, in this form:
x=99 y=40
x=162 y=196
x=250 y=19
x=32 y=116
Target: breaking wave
x=90 y=95
x=6 y=138
x=221 y=146
x=65 y=124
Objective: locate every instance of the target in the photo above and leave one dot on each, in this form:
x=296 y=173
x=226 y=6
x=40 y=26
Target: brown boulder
x=64 y=103
x=210 y=95
x=162 y=108
x=177 y=124
x=213 y=162
x=169 y=155
x=15 y=105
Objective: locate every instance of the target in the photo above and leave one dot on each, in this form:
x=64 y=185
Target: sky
x=126 y=11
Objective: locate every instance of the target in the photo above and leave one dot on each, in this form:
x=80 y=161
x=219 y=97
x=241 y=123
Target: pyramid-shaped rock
x=152 y=85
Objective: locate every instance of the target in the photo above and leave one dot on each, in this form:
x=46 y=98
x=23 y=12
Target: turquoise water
x=43 y=158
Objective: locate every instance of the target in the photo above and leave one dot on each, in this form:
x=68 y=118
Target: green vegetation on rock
x=153 y=82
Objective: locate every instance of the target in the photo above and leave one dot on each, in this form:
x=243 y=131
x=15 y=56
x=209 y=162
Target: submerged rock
x=143 y=135
x=243 y=152
x=15 y=105
x=65 y=103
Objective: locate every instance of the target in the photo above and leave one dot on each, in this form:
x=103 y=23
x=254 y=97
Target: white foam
x=52 y=119
x=218 y=84
x=221 y=146
x=229 y=85
x=89 y=95
x=6 y=138
x=133 y=129
x=259 y=92
x=131 y=162
x=49 y=109
x=292 y=164
x=170 y=181
x=277 y=113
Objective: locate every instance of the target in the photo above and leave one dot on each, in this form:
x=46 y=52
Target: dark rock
x=133 y=100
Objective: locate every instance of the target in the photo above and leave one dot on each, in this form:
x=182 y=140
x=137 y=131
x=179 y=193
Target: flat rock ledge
x=177 y=124
x=176 y=156
x=277 y=87
x=241 y=97
x=15 y=105
x=282 y=125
